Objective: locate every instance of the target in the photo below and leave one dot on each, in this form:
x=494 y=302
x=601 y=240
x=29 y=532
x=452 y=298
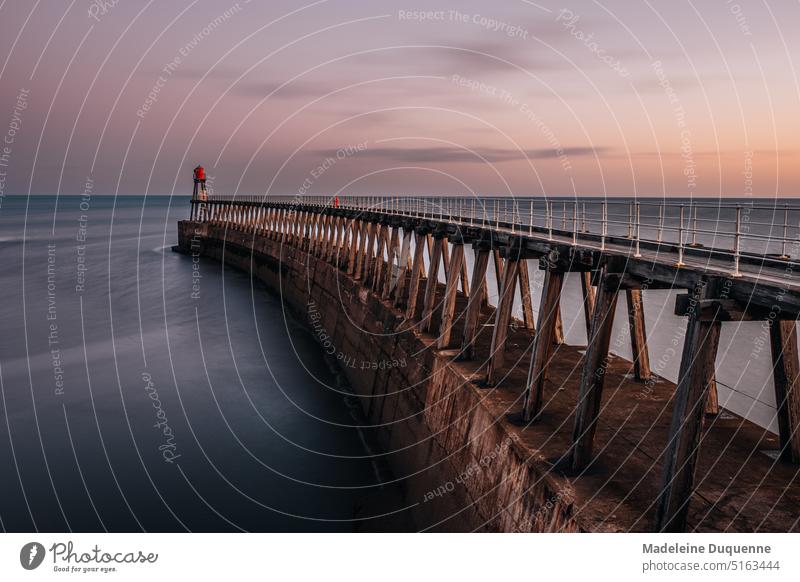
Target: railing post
x=575 y=224
x=680 y=239
x=637 y=253
x=694 y=225
x=630 y=220
x=660 y=223
x=784 y=254
x=530 y=211
x=603 y=225
x=736 y=242
x=549 y=221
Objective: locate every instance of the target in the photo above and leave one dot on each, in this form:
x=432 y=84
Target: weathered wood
x=542 y=343
x=369 y=255
x=638 y=333
x=391 y=253
x=525 y=295
x=431 y=285
x=355 y=229
x=712 y=401
x=697 y=368
x=588 y=300
x=449 y=303
x=502 y=320
x=474 y=303
x=593 y=376
x=464 y=278
x=558 y=331
x=362 y=249
x=786 y=374
x=416 y=272
x=379 y=265
x=445 y=258
x=498 y=269
x=400 y=280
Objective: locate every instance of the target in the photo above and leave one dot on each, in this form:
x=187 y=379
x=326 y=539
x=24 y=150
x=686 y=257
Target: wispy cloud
x=453 y=154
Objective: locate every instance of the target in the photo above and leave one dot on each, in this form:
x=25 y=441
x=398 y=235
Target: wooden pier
x=639 y=452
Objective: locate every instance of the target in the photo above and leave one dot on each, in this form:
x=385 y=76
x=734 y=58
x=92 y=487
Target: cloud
x=458 y=155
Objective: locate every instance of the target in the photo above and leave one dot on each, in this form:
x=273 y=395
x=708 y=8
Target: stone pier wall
x=464 y=468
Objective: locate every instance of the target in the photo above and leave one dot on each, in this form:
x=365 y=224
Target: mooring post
x=449 y=303
x=593 y=375
x=431 y=285
x=786 y=374
x=680 y=458
x=502 y=320
x=475 y=301
x=542 y=343
x=638 y=332
x=416 y=272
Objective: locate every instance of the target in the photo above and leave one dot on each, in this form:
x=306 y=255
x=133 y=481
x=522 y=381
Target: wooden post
x=416 y=273
x=786 y=373
x=474 y=303
x=369 y=256
x=498 y=270
x=594 y=372
x=464 y=278
x=641 y=357
x=449 y=303
x=542 y=343
x=431 y=284
x=525 y=295
x=502 y=320
x=377 y=270
x=697 y=368
x=558 y=331
x=391 y=254
x=362 y=249
x=588 y=301
x=355 y=227
x=400 y=280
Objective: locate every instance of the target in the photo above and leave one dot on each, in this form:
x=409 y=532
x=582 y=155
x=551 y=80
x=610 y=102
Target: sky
x=513 y=97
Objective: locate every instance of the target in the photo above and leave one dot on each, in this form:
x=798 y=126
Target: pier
x=580 y=440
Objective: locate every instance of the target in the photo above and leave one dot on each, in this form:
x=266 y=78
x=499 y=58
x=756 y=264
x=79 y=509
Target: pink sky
x=613 y=98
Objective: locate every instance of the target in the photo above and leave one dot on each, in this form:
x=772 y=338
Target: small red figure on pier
x=336 y=202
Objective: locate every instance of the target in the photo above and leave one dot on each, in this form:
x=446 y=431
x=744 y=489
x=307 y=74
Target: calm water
x=127 y=404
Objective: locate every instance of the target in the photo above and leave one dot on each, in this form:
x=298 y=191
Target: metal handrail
x=577 y=222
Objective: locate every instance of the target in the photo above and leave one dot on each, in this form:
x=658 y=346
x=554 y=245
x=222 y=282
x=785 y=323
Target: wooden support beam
x=400 y=280
x=416 y=272
x=525 y=295
x=638 y=332
x=449 y=303
x=680 y=457
x=464 y=278
x=362 y=250
x=431 y=284
x=391 y=253
x=558 y=331
x=593 y=375
x=542 y=343
x=445 y=258
x=369 y=252
x=502 y=320
x=588 y=300
x=355 y=228
x=498 y=269
x=474 y=303
x=379 y=265
x=786 y=374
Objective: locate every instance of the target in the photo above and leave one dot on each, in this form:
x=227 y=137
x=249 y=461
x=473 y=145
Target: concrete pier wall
x=464 y=468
